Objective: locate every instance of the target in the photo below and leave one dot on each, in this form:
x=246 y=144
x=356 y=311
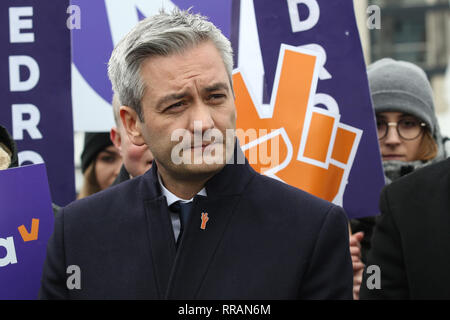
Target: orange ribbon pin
x=204 y=220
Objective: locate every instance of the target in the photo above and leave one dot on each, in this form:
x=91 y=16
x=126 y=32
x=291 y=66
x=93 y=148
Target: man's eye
x=216 y=97
x=175 y=105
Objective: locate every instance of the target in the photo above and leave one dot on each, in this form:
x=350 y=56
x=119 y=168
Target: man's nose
x=200 y=118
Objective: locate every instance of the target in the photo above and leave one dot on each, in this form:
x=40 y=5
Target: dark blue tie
x=183 y=209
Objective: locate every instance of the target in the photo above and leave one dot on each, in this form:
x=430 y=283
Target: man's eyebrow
x=217 y=86
x=181 y=95
x=170 y=97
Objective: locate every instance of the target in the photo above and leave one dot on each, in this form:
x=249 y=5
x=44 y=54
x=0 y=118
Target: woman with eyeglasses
x=408 y=134
x=408 y=131
x=405 y=138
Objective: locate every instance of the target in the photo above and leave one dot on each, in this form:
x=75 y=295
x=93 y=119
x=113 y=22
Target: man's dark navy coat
x=264 y=240
x=411 y=240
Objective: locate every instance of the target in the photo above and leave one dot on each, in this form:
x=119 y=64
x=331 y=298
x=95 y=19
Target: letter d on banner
x=15 y=84
x=313 y=17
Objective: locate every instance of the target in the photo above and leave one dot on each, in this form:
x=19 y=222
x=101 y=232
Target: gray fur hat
x=404 y=87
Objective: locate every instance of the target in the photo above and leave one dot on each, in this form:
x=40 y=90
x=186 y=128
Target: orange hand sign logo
x=318 y=151
x=204 y=220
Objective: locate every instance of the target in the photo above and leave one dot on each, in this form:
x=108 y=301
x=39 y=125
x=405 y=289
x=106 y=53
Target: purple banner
x=36 y=88
x=26 y=223
x=329 y=29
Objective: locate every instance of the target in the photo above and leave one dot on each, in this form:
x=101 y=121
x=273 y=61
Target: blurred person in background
x=136 y=159
x=8 y=150
x=100 y=163
x=408 y=135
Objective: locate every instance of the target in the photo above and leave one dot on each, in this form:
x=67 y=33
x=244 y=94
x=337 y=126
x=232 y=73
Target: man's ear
x=115 y=137
x=132 y=124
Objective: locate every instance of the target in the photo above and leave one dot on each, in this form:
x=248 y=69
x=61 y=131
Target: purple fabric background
x=24 y=195
x=52 y=94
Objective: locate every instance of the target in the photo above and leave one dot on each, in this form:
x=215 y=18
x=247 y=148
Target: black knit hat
x=94 y=143
x=8 y=141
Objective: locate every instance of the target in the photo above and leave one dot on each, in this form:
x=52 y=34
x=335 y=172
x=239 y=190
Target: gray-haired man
x=208 y=229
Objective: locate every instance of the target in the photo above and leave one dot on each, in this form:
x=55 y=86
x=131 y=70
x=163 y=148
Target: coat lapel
x=162 y=241
x=198 y=246
x=179 y=273
x=160 y=231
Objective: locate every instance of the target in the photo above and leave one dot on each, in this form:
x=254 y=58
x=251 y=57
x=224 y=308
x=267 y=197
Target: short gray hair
x=160 y=35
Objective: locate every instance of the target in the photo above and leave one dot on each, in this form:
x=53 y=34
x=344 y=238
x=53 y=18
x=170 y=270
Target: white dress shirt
x=171 y=198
